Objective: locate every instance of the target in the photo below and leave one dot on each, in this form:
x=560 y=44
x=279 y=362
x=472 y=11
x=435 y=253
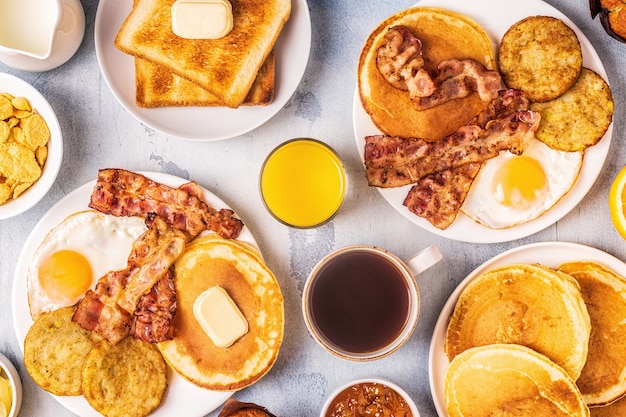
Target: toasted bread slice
x=226 y=67
x=157 y=86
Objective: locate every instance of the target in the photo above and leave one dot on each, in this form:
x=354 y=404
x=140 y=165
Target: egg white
x=561 y=169
x=104 y=240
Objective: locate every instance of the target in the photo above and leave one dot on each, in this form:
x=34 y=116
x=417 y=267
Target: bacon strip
x=438 y=197
x=400 y=61
x=155 y=311
x=152 y=255
x=109 y=309
x=124 y=193
x=393 y=161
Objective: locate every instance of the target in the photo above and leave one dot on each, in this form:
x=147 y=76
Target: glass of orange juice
x=303 y=183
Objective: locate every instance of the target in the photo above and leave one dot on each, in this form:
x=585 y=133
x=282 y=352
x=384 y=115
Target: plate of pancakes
x=161 y=95
x=541 y=317
x=478 y=29
x=238 y=268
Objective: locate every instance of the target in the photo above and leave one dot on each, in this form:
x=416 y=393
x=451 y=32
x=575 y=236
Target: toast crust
x=157 y=86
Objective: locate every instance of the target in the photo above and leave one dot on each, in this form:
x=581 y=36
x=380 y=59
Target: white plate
x=551 y=254
x=201 y=123
x=20 y=88
x=182 y=397
x=496 y=17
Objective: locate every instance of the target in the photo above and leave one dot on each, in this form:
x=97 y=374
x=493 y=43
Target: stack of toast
x=237 y=69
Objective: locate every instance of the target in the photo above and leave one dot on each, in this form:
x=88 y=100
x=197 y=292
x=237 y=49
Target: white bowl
x=388 y=384
x=8 y=370
x=20 y=88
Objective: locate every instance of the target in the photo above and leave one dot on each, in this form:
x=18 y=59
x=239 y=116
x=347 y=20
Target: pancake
x=444 y=35
x=603 y=379
x=207 y=262
x=617 y=408
x=510 y=380
x=529 y=305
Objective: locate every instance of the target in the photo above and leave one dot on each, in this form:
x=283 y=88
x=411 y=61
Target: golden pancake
x=603 y=379
x=510 y=380
x=444 y=35
x=529 y=305
x=617 y=408
x=207 y=262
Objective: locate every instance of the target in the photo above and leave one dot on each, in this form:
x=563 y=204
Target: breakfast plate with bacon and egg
x=91 y=245
x=390 y=127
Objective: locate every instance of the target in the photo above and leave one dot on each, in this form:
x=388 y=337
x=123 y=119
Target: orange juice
x=303 y=183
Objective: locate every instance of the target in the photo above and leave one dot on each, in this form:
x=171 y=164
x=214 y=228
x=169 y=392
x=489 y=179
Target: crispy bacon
x=400 y=61
x=109 y=310
x=155 y=311
x=438 y=197
x=393 y=161
x=152 y=255
x=124 y=193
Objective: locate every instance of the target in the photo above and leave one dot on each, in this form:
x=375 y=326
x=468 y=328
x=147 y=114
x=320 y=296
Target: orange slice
x=617 y=202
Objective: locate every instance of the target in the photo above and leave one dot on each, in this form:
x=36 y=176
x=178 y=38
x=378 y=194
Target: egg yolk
x=65 y=275
x=520 y=183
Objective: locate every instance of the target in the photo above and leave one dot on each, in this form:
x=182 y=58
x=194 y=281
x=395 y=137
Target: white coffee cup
x=362 y=302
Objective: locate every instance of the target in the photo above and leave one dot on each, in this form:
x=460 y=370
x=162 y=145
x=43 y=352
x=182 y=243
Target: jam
x=369 y=399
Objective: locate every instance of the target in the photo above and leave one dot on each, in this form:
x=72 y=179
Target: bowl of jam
x=371 y=397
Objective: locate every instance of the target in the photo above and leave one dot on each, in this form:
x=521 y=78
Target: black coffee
x=360 y=301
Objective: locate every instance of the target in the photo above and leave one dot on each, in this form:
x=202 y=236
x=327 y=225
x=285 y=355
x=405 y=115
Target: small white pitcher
x=38 y=35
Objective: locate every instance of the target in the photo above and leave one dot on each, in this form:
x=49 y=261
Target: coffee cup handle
x=424 y=259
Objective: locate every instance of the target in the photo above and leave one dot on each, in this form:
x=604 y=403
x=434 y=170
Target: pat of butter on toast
x=202 y=19
x=219 y=316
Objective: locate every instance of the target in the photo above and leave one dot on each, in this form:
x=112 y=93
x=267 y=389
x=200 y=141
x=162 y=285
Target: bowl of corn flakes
x=31 y=146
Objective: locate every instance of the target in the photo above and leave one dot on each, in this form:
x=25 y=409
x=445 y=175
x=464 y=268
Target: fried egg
x=513 y=189
x=75 y=254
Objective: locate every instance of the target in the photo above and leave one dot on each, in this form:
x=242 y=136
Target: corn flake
x=5 y=131
x=5 y=192
x=20 y=103
x=36 y=131
x=41 y=154
x=6 y=108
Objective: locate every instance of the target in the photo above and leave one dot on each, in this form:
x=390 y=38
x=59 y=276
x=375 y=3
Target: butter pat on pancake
x=207 y=262
x=580 y=117
x=541 y=56
x=444 y=35
x=525 y=304
x=510 y=380
x=219 y=316
x=603 y=379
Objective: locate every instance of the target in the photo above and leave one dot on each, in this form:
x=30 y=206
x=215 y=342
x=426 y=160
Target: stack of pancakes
x=444 y=35
x=239 y=269
x=237 y=69
x=540 y=341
